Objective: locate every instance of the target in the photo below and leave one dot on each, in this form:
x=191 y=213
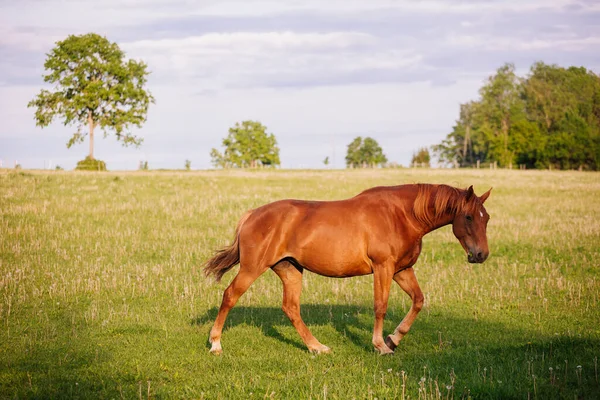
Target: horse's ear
x=470 y=193
x=484 y=196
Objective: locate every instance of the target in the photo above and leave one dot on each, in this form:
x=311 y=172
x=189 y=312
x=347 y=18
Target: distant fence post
x=477 y=164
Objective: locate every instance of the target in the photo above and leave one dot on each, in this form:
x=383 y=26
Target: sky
x=315 y=73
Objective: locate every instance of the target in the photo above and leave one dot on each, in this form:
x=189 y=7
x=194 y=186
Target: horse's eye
x=469 y=218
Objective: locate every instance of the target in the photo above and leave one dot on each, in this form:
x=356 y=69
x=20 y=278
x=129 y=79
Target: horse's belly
x=334 y=267
x=334 y=250
x=339 y=273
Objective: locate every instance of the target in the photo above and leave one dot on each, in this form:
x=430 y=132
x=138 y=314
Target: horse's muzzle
x=477 y=256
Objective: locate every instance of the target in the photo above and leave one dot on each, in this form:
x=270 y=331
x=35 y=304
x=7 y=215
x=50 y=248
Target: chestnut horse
x=377 y=232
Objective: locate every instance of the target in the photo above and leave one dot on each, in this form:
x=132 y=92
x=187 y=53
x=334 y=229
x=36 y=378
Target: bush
x=91 y=164
x=421 y=158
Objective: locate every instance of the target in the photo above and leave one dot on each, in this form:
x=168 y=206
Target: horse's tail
x=227 y=257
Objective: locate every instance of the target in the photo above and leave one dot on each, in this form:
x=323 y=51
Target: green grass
x=102 y=293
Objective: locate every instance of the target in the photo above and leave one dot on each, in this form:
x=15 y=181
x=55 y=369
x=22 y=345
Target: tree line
x=548 y=119
x=249 y=145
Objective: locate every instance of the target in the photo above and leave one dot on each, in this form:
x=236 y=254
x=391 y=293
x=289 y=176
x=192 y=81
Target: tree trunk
x=91 y=124
x=505 y=137
x=466 y=143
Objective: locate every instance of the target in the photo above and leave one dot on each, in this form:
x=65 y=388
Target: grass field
x=102 y=295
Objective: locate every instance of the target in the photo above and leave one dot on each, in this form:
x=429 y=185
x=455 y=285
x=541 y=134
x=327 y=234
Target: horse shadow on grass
x=433 y=334
x=346 y=319
x=446 y=342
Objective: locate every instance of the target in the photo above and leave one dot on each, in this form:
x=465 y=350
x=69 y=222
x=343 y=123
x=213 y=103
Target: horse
x=379 y=232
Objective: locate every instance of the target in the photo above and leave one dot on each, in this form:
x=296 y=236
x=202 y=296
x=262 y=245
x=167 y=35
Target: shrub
x=91 y=164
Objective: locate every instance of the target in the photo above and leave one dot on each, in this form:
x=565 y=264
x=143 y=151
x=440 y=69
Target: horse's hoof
x=386 y=351
x=322 y=349
x=216 y=349
x=383 y=350
x=390 y=343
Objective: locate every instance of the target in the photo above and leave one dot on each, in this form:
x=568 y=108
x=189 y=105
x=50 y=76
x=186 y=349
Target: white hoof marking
x=215 y=348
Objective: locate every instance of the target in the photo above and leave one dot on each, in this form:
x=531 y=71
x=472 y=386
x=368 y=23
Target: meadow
x=102 y=293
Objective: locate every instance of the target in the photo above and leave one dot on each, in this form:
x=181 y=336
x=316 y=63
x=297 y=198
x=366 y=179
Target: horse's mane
x=434 y=201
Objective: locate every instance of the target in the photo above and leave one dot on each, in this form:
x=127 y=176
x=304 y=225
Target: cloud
x=263 y=41
x=507 y=43
x=251 y=59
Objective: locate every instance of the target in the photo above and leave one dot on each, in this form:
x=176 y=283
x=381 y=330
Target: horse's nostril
x=480 y=256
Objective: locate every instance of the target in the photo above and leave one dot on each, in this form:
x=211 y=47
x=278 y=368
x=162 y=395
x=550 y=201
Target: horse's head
x=469 y=226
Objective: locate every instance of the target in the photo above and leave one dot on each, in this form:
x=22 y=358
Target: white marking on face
x=481 y=214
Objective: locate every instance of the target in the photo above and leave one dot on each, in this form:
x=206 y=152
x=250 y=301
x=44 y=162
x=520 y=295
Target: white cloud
x=32 y=40
x=261 y=7
x=219 y=60
x=258 y=41
x=507 y=43
x=98 y=15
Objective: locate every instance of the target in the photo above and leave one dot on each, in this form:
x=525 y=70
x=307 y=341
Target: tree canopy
x=548 y=119
x=364 y=153
x=421 y=158
x=93 y=85
x=247 y=145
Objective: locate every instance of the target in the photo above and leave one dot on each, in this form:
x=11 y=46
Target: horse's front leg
x=382 y=280
x=408 y=282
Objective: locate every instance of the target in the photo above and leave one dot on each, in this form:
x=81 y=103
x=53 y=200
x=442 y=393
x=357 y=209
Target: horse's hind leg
x=238 y=286
x=382 y=280
x=292 y=287
x=408 y=282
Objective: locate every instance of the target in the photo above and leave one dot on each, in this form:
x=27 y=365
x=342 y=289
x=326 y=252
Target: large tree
x=466 y=144
x=93 y=85
x=551 y=118
x=247 y=145
x=500 y=103
x=364 y=153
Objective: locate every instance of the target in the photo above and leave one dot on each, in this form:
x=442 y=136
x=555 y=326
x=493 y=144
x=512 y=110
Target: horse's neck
x=443 y=220
x=440 y=220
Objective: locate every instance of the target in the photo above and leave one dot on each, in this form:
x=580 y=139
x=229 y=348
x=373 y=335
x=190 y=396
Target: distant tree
x=421 y=158
x=364 y=153
x=565 y=105
x=247 y=145
x=467 y=143
x=326 y=161
x=93 y=85
x=188 y=165
x=551 y=118
x=501 y=105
